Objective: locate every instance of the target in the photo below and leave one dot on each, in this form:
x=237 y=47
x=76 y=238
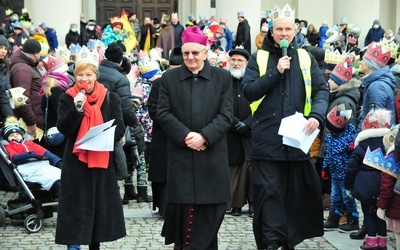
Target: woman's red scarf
x=92 y=117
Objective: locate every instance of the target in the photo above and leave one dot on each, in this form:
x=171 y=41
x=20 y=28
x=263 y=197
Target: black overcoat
x=90 y=206
x=200 y=103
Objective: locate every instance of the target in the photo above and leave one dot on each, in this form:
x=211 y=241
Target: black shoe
x=236 y=211
x=251 y=210
x=360 y=234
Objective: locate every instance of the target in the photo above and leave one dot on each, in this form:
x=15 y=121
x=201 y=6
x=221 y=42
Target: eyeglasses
x=342 y=24
x=194 y=53
x=233 y=60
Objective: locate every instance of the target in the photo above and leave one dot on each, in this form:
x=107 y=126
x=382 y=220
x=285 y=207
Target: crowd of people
x=198 y=115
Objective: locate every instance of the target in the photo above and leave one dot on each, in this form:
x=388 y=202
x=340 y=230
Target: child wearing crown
x=389 y=201
x=363 y=181
x=338 y=148
x=113 y=32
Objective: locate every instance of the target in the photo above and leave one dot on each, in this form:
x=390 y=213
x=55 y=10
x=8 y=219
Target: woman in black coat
x=90 y=207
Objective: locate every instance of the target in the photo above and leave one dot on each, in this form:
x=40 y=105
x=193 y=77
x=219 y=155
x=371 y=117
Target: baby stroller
x=32 y=206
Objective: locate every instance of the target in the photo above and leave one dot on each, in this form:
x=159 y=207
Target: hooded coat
x=243 y=35
x=23 y=73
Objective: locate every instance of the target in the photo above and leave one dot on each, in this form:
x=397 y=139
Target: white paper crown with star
x=284 y=14
x=87 y=56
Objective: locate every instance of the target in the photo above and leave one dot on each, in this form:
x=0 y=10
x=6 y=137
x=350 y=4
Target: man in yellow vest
x=287 y=188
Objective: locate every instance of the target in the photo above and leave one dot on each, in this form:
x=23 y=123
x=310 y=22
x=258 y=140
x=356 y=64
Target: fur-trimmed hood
x=354 y=83
x=370 y=133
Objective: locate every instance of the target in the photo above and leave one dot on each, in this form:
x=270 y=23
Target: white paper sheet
x=99 y=138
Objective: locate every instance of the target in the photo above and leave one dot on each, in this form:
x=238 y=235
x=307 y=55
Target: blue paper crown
x=386 y=164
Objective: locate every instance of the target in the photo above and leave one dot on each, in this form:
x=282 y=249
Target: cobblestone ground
x=143 y=232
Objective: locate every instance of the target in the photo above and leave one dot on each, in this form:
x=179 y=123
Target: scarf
x=92 y=117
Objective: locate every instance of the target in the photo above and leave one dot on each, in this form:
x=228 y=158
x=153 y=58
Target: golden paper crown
x=390 y=46
x=284 y=14
x=165 y=17
x=334 y=57
x=24 y=11
x=8 y=12
x=87 y=56
x=147 y=65
x=64 y=53
x=174 y=15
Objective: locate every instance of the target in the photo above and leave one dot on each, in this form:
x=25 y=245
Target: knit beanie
x=114 y=53
x=12 y=128
x=4 y=42
x=31 y=46
x=371 y=64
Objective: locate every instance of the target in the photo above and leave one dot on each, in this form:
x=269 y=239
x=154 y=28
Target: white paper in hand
x=98 y=138
x=291 y=129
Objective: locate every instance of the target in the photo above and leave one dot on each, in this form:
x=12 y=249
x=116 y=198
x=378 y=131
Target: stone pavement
x=143 y=233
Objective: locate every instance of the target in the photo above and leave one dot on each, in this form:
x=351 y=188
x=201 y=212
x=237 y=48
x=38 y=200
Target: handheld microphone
x=284 y=44
x=79 y=104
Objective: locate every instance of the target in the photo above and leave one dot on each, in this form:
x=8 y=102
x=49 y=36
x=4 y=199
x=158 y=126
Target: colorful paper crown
x=390 y=46
x=147 y=65
x=377 y=53
x=55 y=63
x=116 y=21
x=338 y=117
x=344 y=71
x=386 y=164
x=87 y=56
x=334 y=57
x=374 y=120
x=8 y=12
x=284 y=14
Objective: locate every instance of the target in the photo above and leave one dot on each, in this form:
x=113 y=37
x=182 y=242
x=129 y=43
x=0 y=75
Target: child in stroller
x=28 y=155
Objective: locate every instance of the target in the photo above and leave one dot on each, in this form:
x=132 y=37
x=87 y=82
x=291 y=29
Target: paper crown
x=24 y=11
x=74 y=48
x=344 y=71
x=284 y=14
x=338 y=117
x=376 y=119
x=387 y=164
x=334 y=57
x=8 y=12
x=240 y=13
x=352 y=40
x=17 y=97
x=147 y=65
x=390 y=46
x=64 y=53
x=116 y=21
x=389 y=138
x=45 y=48
x=377 y=54
x=87 y=56
x=165 y=17
x=174 y=15
x=55 y=63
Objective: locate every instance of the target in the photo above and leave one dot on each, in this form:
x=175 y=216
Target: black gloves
x=241 y=128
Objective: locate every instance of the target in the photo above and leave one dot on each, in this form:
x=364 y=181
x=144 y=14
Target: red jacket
x=388 y=199
x=16 y=148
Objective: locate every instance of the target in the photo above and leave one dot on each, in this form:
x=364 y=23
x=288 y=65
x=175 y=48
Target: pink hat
x=194 y=35
x=222 y=20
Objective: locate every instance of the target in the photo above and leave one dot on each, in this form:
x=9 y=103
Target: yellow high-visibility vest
x=305 y=65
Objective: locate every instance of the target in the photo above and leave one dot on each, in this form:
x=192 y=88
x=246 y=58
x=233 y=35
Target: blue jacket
x=338 y=151
x=228 y=37
x=51 y=37
x=374 y=35
x=378 y=91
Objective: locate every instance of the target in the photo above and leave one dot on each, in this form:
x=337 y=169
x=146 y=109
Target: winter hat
x=376 y=56
x=91 y=22
x=42 y=25
x=4 y=42
x=191 y=17
x=221 y=31
x=239 y=50
x=156 y=21
x=176 y=58
x=222 y=20
x=342 y=73
x=344 y=20
x=31 y=46
x=337 y=118
x=116 y=21
x=376 y=118
x=131 y=13
x=12 y=128
x=194 y=35
x=376 y=21
x=114 y=53
x=17 y=25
